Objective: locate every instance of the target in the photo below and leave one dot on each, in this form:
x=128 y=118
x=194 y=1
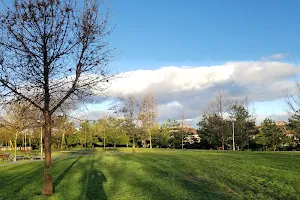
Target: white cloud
x=190 y=88
x=277 y=56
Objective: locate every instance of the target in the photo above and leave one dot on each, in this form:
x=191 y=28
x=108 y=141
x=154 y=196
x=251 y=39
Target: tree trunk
x=133 y=144
x=150 y=138
x=29 y=142
x=104 y=143
x=15 y=158
x=223 y=143
x=25 y=142
x=48 y=187
x=182 y=140
x=84 y=139
x=62 y=141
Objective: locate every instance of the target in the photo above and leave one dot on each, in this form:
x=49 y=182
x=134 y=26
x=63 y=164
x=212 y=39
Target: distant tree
x=270 y=136
x=294 y=126
x=160 y=135
x=244 y=125
x=17 y=118
x=293 y=100
x=85 y=131
x=99 y=129
x=147 y=116
x=73 y=139
x=128 y=108
x=222 y=105
x=53 y=52
x=182 y=124
x=213 y=130
x=175 y=133
x=218 y=107
x=62 y=128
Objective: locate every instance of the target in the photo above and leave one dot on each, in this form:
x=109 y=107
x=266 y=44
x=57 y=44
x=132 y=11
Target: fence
x=18 y=148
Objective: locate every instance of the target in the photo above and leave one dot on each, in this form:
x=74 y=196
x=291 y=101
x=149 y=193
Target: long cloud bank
x=192 y=87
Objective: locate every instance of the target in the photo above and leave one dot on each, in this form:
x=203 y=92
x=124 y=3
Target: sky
x=207 y=32
x=187 y=51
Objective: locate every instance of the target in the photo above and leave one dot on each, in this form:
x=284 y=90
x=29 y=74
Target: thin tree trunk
x=182 y=140
x=48 y=187
x=150 y=138
x=145 y=143
x=223 y=143
x=62 y=141
x=84 y=139
x=15 y=158
x=133 y=144
x=104 y=143
x=25 y=142
x=41 y=142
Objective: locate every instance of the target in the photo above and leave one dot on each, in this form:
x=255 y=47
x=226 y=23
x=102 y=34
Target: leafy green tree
x=62 y=128
x=73 y=139
x=85 y=131
x=160 y=135
x=116 y=135
x=244 y=125
x=99 y=130
x=212 y=130
x=294 y=127
x=270 y=136
x=175 y=134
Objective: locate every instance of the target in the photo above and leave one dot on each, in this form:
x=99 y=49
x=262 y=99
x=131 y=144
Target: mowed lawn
x=159 y=174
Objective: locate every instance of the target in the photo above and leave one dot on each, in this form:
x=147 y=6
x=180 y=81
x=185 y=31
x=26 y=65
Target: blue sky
x=153 y=33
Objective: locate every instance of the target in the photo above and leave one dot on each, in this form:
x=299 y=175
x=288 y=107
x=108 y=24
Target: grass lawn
x=159 y=174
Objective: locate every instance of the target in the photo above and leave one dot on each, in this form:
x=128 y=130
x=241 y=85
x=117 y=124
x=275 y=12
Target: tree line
x=133 y=124
x=229 y=124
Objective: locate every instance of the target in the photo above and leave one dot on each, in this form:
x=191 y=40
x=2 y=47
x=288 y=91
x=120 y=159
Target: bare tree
x=293 y=100
x=222 y=106
x=53 y=51
x=129 y=108
x=148 y=115
x=17 y=118
x=182 y=123
x=219 y=107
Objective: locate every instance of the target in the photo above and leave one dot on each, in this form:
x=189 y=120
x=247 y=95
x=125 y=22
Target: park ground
x=158 y=174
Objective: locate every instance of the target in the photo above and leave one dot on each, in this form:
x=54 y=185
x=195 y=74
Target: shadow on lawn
x=64 y=173
x=95 y=180
x=163 y=177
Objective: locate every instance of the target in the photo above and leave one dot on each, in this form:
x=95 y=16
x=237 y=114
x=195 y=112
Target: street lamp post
x=233 y=144
x=41 y=140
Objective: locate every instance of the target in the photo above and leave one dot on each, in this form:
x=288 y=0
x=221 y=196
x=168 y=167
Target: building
x=192 y=135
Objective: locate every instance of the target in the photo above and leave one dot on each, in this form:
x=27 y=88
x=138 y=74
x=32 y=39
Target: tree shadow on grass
x=95 y=182
x=64 y=173
x=162 y=180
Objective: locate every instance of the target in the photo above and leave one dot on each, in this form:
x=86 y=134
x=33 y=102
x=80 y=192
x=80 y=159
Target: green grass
x=159 y=174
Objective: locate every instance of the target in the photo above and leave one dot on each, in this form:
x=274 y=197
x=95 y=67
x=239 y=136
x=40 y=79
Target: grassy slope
x=160 y=174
